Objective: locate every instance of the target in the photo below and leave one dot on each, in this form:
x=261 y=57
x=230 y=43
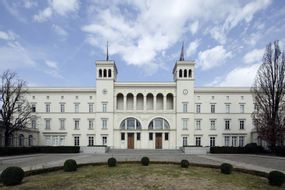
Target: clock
x=185 y=91
x=104 y=91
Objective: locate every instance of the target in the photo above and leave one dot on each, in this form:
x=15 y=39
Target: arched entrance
x=130 y=125
x=157 y=126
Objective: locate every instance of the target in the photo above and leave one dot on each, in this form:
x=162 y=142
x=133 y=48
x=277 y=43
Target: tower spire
x=182 y=53
x=107 y=56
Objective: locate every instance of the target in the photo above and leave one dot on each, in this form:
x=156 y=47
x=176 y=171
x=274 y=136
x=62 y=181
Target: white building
x=143 y=115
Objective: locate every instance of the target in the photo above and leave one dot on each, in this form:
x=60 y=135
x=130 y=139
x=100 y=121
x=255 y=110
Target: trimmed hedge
x=279 y=150
x=184 y=163
x=236 y=150
x=10 y=151
x=112 y=162
x=145 y=161
x=226 y=168
x=12 y=176
x=70 y=165
x=276 y=178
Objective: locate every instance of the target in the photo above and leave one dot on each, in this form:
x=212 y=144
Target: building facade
x=143 y=115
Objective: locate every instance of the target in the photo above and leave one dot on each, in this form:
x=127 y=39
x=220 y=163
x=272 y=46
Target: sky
x=56 y=42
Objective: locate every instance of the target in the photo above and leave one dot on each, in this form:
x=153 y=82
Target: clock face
x=104 y=91
x=185 y=91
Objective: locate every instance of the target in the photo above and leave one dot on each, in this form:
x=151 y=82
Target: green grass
x=135 y=176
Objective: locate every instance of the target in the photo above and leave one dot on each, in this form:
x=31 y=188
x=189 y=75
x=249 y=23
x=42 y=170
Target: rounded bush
x=70 y=165
x=184 y=163
x=276 y=178
x=112 y=162
x=226 y=168
x=12 y=176
x=145 y=161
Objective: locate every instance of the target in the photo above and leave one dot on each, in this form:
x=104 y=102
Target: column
x=125 y=103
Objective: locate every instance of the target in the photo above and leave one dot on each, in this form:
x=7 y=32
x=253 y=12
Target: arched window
x=21 y=140
x=11 y=140
x=185 y=73
x=149 y=102
x=109 y=73
x=159 y=101
x=180 y=73
x=130 y=101
x=30 y=140
x=105 y=72
x=169 y=101
x=100 y=73
x=190 y=73
x=130 y=124
x=140 y=101
x=158 y=124
x=120 y=101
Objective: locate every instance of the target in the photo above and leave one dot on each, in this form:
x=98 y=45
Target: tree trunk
x=6 y=139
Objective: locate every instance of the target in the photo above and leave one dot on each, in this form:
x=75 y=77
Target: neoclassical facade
x=143 y=115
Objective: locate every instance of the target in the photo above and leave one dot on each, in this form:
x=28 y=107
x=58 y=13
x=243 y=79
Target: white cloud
x=51 y=64
x=43 y=15
x=240 y=76
x=59 y=30
x=254 y=56
x=7 y=35
x=194 y=27
x=28 y=4
x=213 y=57
x=192 y=48
x=218 y=34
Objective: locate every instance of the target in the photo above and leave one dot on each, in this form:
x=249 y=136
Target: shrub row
x=236 y=150
x=9 y=151
x=278 y=150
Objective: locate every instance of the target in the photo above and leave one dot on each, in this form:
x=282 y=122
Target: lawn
x=135 y=176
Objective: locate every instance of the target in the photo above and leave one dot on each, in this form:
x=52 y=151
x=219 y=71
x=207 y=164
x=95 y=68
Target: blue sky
x=56 y=42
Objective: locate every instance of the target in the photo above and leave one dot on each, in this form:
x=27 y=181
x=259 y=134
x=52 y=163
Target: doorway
x=158 y=140
x=131 y=140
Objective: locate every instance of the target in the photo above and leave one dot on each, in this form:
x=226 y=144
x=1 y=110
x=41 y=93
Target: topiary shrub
x=184 y=163
x=70 y=165
x=226 y=168
x=12 y=176
x=112 y=162
x=276 y=178
x=145 y=161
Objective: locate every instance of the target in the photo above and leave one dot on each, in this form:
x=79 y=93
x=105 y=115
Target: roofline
x=223 y=89
x=61 y=89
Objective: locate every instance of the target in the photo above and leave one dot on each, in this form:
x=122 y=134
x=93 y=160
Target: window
x=61 y=140
x=76 y=124
x=90 y=141
x=34 y=108
x=62 y=108
x=184 y=124
x=90 y=124
x=228 y=108
x=242 y=97
x=227 y=124
x=76 y=141
x=30 y=140
x=122 y=136
x=34 y=97
x=213 y=124
x=62 y=124
x=90 y=97
x=47 y=123
x=212 y=141
x=184 y=141
x=47 y=139
x=104 y=140
x=213 y=110
x=227 y=140
x=76 y=97
x=21 y=140
x=34 y=124
x=62 y=97
x=234 y=141
x=150 y=136
x=185 y=107
x=130 y=123
x=76 y=107
x=241 y=124
x=198 y=141
x=104 y=124
x=255 y=107
x=213 y=97
x=47 y=108
x=227 y=97
x=90 y=108
x=198 y=108
x=138 y=136
x=241 y=108
x=104 y=107
x=241 y=140
x=198 y=124
x=47 y=97
x=166 y=136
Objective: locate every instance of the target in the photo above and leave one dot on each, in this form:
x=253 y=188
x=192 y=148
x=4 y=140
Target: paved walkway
x=253 y=162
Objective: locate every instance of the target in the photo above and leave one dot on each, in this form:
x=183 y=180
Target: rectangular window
x=90 y=124
x=198 y=141
x=76 y=107
x=198 y=108
x=62 y=124
x=47 y=108
x=104 y=107
x=166 y=136
x=185 y=107
x=138 y=136
x=48 y=141
x=228 y=108
x=122 y=136
x=34 y=124
x=184 y=141
x=150 y=136
x=241 y=108
x=227 y=140
x=234 y=141
x=76 y=124
x=198 y=124
x=90 y=108
x=104 y=124
x=212 y=141
x=184 y=124
x=90 y=141
x=227 y=124
x=62 y=108
x=76 y=141
x=213 y=110
x=104 y=140
x=213 y=124
x=241 y=124
x=47 y=123
x=34 y=108
x=241 y=140
x=61 y=141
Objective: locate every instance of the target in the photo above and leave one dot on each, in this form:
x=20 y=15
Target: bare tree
x=15 y=111
x=268 y=91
